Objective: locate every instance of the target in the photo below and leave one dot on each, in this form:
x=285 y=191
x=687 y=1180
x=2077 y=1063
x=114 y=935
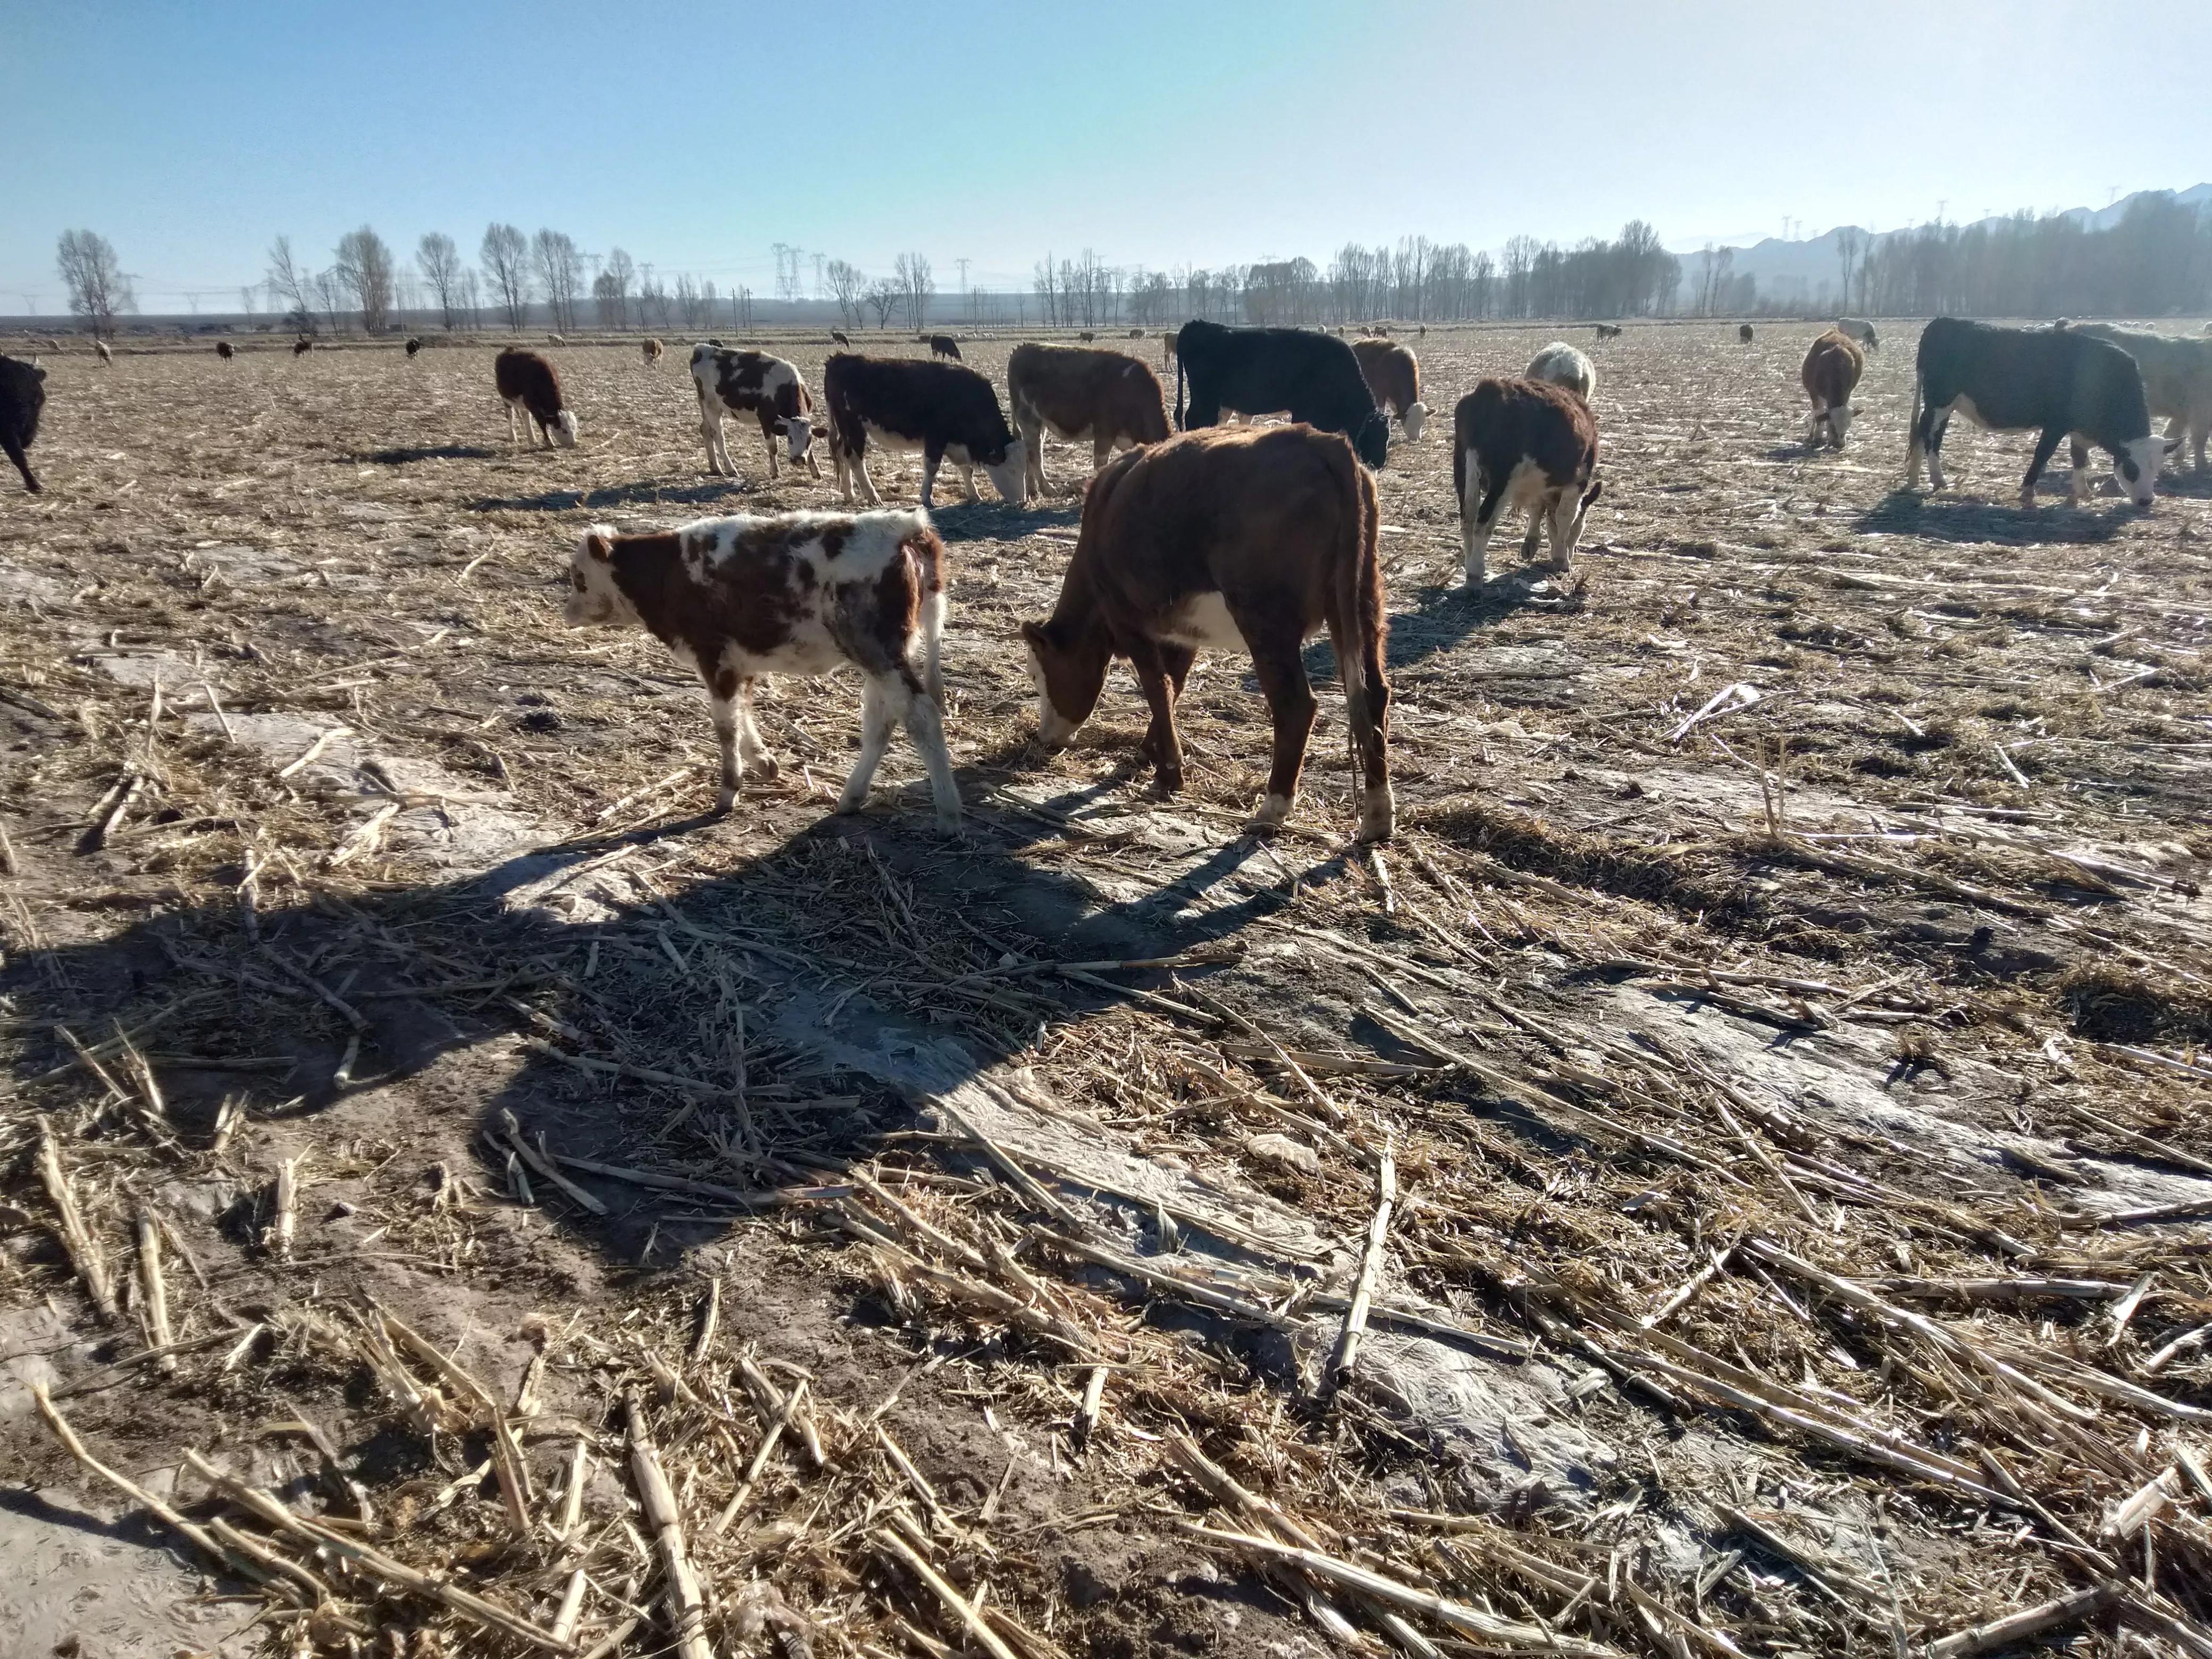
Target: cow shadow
x=1950 y=518
x=426 y=452
x=643 y=492
x=988 y=520
x=1446 y=614
x=762 y=1020
x=2187 y=483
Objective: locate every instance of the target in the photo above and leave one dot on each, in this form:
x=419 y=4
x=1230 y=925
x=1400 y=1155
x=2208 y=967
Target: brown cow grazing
x=1608 y=331
x=799 y=593
x=302 y=346
x=1240 y=539
x=224 y=349
x=1136 y=334
x=838 y=335
x=1079 y=391
x=414 y=346
x=1743 y=333
x=946 y=411
x=652 y=349
x=943 y=345
x=1526 y=443
x=772 y=390
x=22 y=395
x=1168 y=343
x=1833 y=364
x=530 y=387
x=1394 y=375
x=1087 y=336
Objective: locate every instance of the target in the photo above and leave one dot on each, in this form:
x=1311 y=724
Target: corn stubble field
x=502 y=1211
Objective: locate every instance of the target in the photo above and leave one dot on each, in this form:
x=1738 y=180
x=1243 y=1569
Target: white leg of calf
x=968 y=480
x=859 y=464
x=1565 y=519
x=726 y=738
x=875 y=737
x=1378 y=815
x=1475 y=543
x=771 y=456
x=752 y=752
x=925 y=726
x=1936 y=455
x=929 y=482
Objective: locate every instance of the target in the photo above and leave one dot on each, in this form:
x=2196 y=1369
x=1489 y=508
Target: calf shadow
x=426 y=452
x=644 y=493
x=1950 y=518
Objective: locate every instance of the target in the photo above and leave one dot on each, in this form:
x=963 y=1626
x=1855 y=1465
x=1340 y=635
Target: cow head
x=1069 y=671
x=2137 y=462
x=1415 y=414
x=564 y=429
x=1839 y=423
x=1010 y=475
x=595 y=598
x=1371 y=438
x=799 y=432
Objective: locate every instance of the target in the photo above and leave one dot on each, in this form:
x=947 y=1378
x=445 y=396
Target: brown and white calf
x=799 y=593
x=1226 y=539
x=1076 y=393
x=652 y=349
x=1394 y=375
x=768 y=388
x=530 y=388
x=1833 y=364
x=1522 y=443
x=1562 y=365
x=946 y=411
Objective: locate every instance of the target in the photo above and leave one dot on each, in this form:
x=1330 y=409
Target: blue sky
x=1203 y=130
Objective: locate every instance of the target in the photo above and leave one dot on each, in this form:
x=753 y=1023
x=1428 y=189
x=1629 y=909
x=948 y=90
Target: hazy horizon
x=1174 y=135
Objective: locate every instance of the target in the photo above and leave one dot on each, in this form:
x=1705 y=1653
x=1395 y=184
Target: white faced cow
x=768 y=389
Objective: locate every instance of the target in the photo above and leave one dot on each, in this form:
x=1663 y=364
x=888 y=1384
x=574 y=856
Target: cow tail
x=1912 y=433
x=1358 y=630
x=1178 y=425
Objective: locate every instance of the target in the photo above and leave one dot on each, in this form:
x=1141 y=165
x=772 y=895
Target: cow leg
x=513 y=438
x=1102 y=450
x=769 y=435
x=1539 y=513
x=2044 y=446
x=968 y=477
x=1475 y=527
x=1282 y=675
x=1161 y=745
x=930 y=460
x=1939 y=422
x=1565 y=519
x=859 y=462
x=22 y=461
x=723 y=689
x=2077 y=481
x=710 y=428
x=1367 y=711
x=1177 y=659
x=875 y=738
x=752 y=753
x=925 y=724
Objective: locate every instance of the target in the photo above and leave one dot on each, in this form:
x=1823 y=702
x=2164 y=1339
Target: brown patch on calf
x=1502 y=426
x=1833 y=364
x=1393 y=373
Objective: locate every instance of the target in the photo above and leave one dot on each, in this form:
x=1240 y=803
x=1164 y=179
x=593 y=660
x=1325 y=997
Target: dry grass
x=1796 y=1113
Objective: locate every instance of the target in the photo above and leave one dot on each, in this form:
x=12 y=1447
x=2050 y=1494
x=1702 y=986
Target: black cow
x=1257 y=371
x=2055 y=381
x=946 y=411
x=22 y=395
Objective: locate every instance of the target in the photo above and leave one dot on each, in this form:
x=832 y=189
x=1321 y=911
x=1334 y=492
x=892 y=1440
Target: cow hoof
x=951 y=823
x=1269 y=818
x=848 y=805
x=765 y=768
x=724 y=800
x=1168 y=785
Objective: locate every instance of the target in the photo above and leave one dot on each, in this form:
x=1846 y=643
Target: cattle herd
x=1205 y=534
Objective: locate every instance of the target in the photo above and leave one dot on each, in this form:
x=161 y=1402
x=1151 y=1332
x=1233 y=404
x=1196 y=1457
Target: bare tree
x=364 y=266
x=471 y=297
x=652 y=299
x=848 y=283
x=246 y=302
x=97 y=287
x=884 y=294
x=916 y=285
x=330 y=296
x=561 y=269
x=290 y=286
x=506 y=257
x=441 y=262
x=611 y=289
x=1850 y=247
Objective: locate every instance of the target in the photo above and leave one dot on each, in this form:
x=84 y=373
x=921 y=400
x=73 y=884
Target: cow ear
x=821 y=431
x=1036 y=635
x=599 y=546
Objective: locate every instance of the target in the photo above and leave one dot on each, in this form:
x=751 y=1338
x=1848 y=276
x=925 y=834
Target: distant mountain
x=1798 y=271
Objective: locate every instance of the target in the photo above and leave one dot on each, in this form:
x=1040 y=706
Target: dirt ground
x=1782 y=1029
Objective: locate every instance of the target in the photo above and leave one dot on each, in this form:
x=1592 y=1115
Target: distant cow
x=224 y=349
x=1087 y=335
x=1076 y=393
x=301 y=346
x=944 y=410
x=414 y=346
x=1562 y=365
x=2177 y=377
x=530 y=388
x=1524 y=443
x=653 y=351
x=1256 y=370
x=1859 y=328
x=100 y=346
x=1136 y=334
x=2061 y=383
x=22 y=395
x=801 y=594
x=1608 y=331
x=1249 y=541
x=768 y=389
x=1743 y=333
x=838 y=335
x=1168 y=338
x=554 y=340
x=1833 y=364
x=1394 y=375
x=943 y=345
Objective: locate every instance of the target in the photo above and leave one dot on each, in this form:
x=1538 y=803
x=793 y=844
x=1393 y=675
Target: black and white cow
x=772 y=390
x=1256 y=370
x=946 y=411
x=22 y=395
x=2056 y=382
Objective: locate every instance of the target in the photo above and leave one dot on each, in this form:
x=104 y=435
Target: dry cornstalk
x=2029 y=1621
x=539 y=1159
x=84 y=1249
x=375 y=1563
x=1094 y=1399
x=710 y=1318
x=1370 y=1267
x=154 y=1290
x=323 y=739
x=506 y=1455
x=287 y=1204
x=687 y=1605
x=958 y=1604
